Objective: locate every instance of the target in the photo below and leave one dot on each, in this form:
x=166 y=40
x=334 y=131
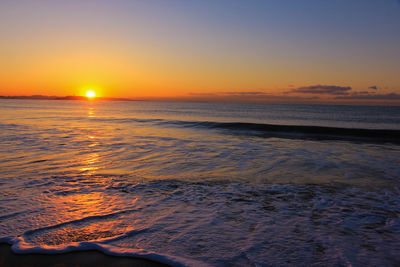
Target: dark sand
x=73 y=259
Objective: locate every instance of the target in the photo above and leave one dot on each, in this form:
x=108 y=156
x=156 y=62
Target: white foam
x=21 y=246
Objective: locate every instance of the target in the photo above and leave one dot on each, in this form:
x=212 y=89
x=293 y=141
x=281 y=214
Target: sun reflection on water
x=74 y=205
x=90 y=163
x=91 y=113
x=90 y=160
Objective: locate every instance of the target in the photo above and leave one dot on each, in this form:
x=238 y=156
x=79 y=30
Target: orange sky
x=154 y=49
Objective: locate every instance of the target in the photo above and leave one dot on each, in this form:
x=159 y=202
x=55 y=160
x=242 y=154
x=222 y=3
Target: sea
x=202 y=184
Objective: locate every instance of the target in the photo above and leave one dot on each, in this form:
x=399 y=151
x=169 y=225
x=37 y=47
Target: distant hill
x=44 y=97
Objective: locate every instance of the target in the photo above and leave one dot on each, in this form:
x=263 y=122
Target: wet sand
x=75 y=259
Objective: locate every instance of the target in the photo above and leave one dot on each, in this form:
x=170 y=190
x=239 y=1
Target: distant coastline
x=44 y=97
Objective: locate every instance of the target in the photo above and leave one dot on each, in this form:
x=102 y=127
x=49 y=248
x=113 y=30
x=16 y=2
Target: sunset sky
x=286 y=49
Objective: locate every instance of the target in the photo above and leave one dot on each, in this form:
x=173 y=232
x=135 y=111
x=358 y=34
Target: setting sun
x=90 y=94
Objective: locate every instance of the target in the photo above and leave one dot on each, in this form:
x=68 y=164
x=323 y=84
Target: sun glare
x=90 y=94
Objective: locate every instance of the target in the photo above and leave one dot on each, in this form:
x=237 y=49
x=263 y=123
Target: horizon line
x=346 y=102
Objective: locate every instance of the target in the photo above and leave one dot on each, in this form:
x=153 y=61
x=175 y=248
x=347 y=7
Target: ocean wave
x=265 y=130
x=297 y=131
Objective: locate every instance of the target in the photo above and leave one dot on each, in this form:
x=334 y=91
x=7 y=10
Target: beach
x=77 y=259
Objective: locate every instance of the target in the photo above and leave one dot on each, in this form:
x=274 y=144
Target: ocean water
x=192 y=184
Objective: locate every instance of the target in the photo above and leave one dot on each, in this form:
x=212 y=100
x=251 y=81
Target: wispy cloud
x=305 y=94
x=251 y=93
x=322 y=89
x=250 y=96
x=390 y=96
x=235 y=94
x=362 y=93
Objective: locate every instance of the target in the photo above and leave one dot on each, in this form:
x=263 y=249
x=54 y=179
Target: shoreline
x=76 y=259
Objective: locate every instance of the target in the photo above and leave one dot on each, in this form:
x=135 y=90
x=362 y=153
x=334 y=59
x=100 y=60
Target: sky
x=271 y=50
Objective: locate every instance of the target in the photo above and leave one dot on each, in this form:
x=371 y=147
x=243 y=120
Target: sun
x=90 y=94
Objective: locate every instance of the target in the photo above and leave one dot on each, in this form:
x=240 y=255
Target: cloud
x=390 y=96
x=245 y=94
x=202 y=94
x=356 y=93
x=248 y=97
x=322 y=89
x=306 y=94
x=234 y=94
x=251 y=93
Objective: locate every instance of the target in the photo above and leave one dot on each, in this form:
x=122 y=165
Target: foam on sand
x=77 y=258
x=17 y=252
